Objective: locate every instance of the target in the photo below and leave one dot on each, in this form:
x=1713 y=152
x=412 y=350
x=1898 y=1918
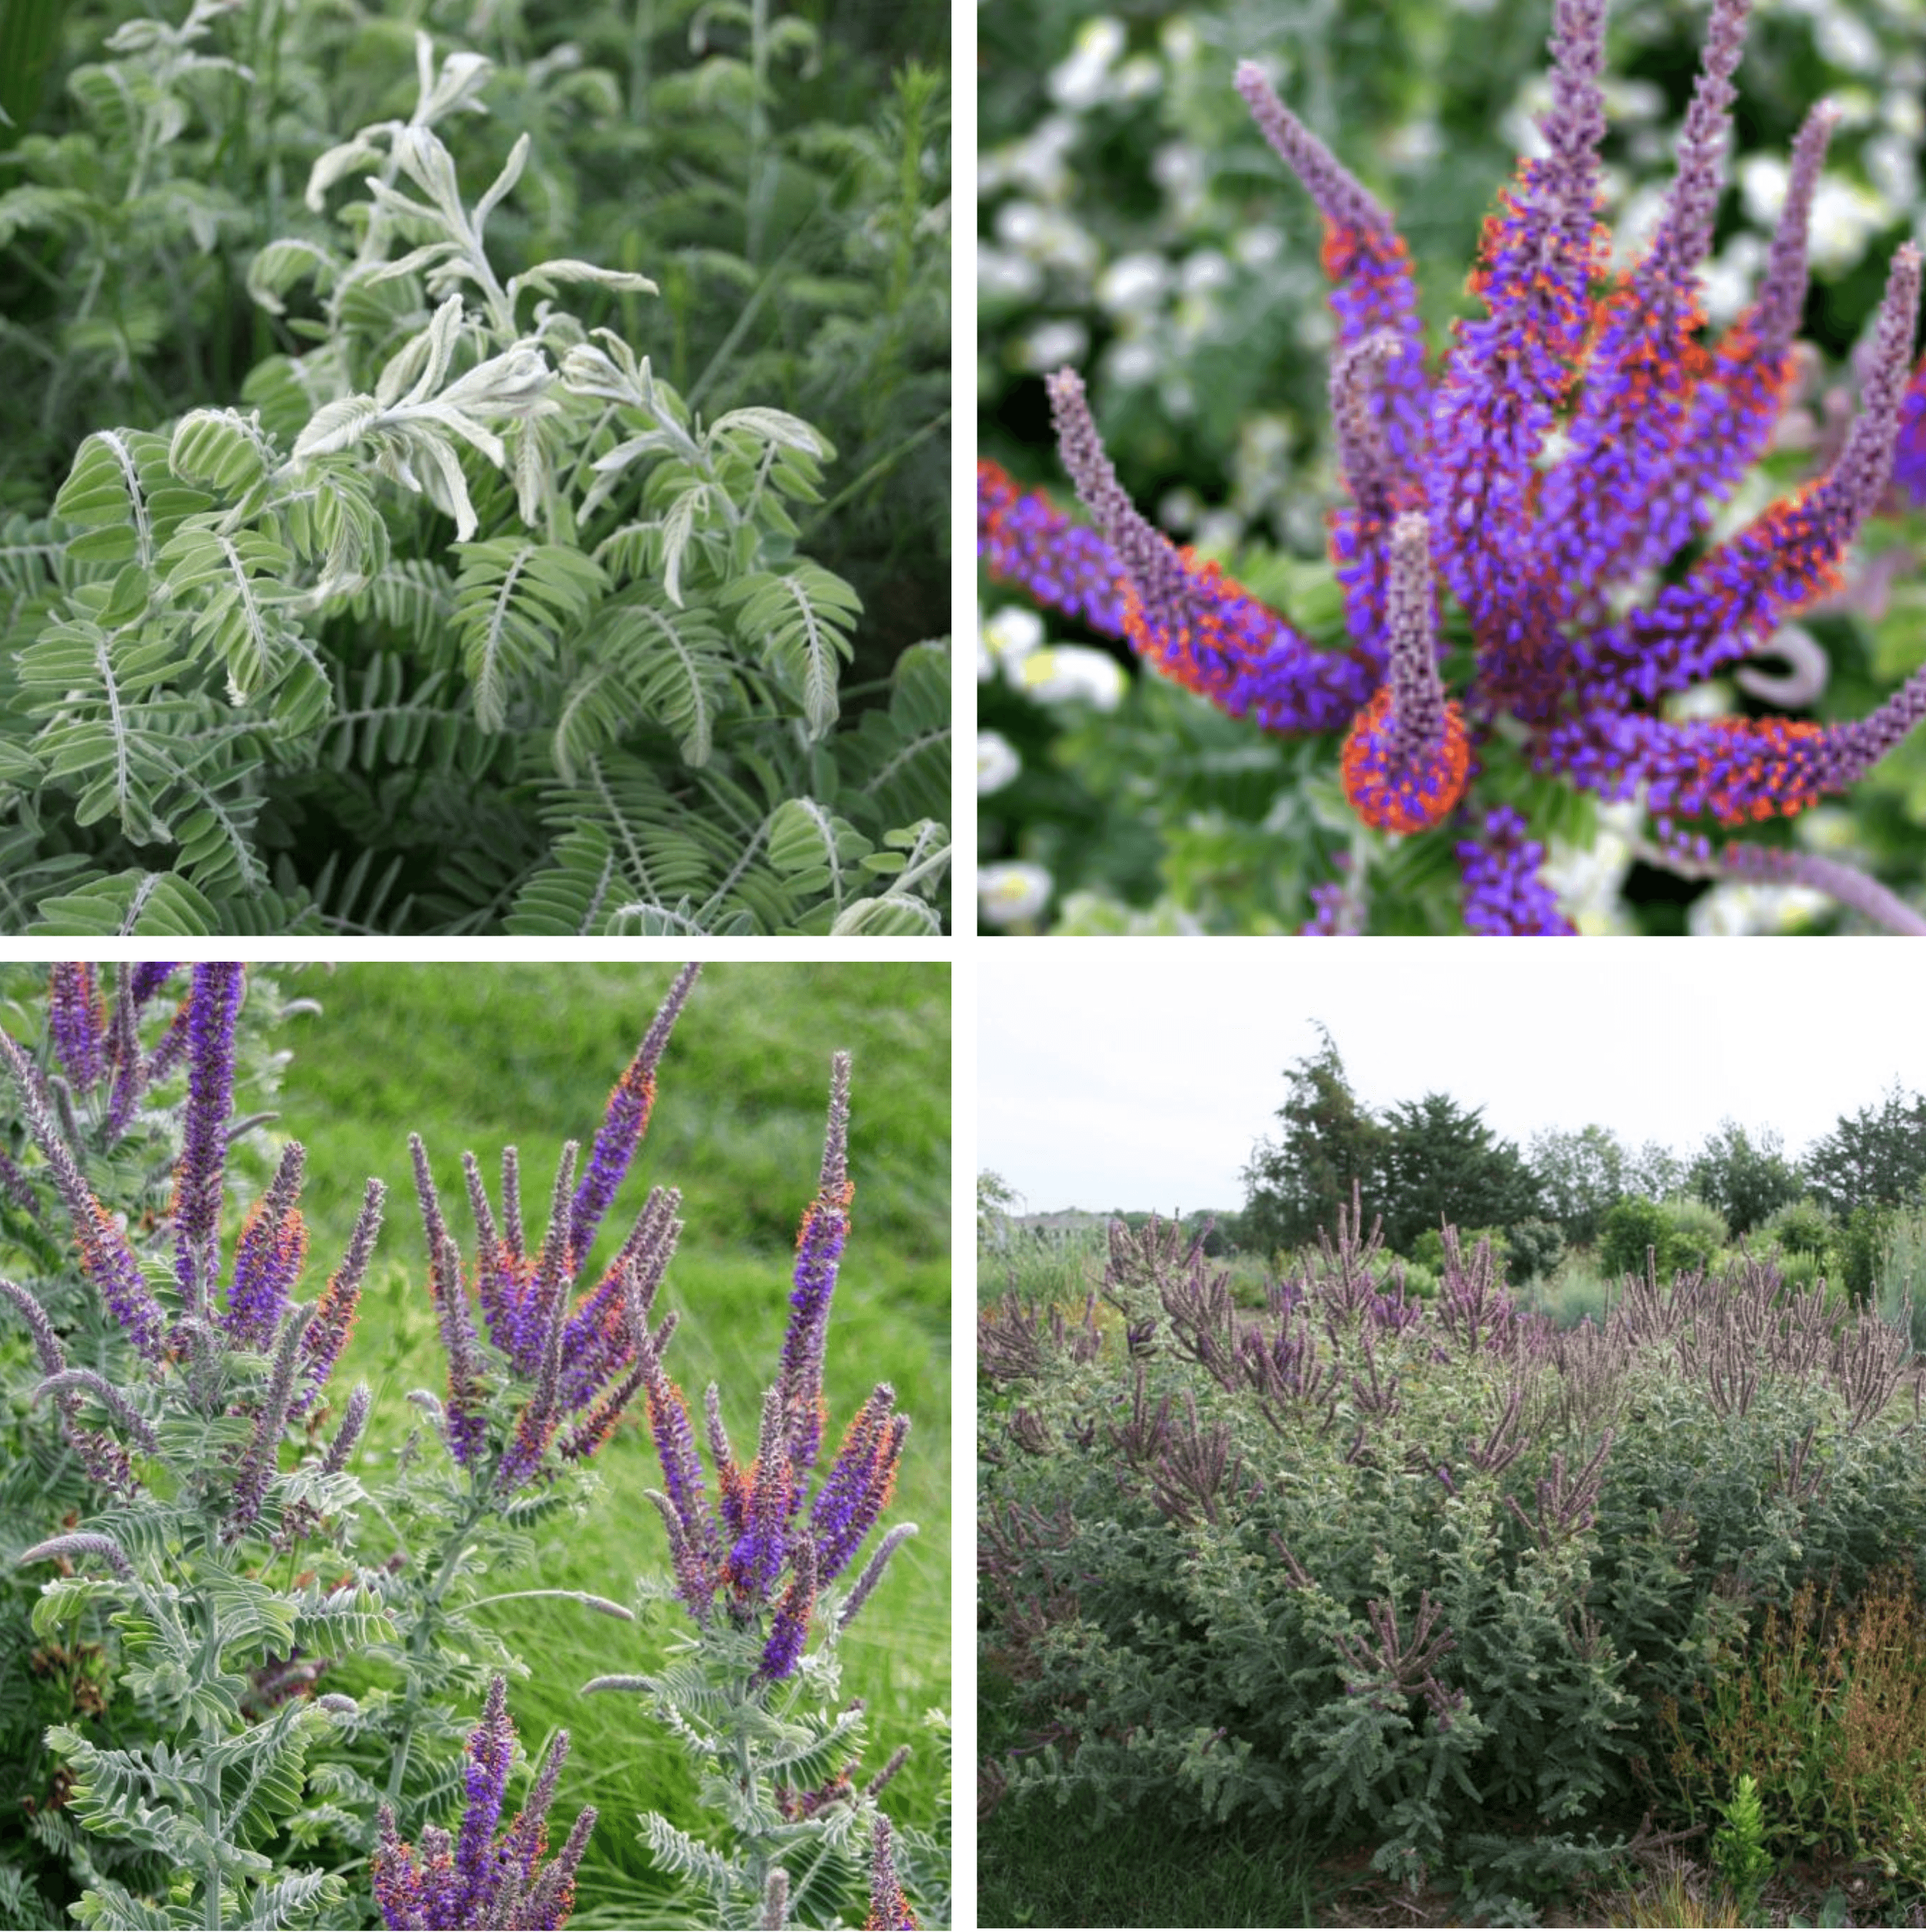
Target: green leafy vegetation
x=524 y=513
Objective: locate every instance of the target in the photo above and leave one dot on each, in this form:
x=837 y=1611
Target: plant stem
x=420 y=1639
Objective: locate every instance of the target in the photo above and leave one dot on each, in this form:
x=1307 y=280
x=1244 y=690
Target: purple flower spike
x=684 y=1506
x=258 y=1463
x=1503 y=891
x=335 y=1313
x=858 y=1487
x=1372 y=291
x=354 y=1419
x=1197 y=626
x=547 y=1313
x=123 y=1056
x=757 y=1560
x=491 y=1750
x=1645 y=363
x=626 y=1121
x=106 y=1259
x=819 y=1246
x=268 y=1259
x=77 y=1018
x=462 y=1416
x=212 y=1012
x=789 y=1628
x=1578 y=434
x=889 y=1910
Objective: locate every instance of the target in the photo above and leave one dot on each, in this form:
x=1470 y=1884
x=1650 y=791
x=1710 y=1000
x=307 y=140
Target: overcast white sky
x=1137 y=1073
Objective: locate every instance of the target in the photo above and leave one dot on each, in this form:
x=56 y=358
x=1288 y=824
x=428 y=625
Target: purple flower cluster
x=305 y=1342
x=1570 y=440
x=577 y=1355
x=740 y=1548
x=96 y=1044
x=483 y=1877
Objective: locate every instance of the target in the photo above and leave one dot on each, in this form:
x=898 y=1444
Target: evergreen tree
x=1442 y=1163
x=1295 y=1183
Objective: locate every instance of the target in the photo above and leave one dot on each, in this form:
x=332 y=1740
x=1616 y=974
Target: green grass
x=1038 y=1863
x=475 y=1056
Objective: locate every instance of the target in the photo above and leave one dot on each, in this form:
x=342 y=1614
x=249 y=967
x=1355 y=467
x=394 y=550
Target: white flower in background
x=1013 y=892
x=1845 y=216
x=1588 y=882
x=1734 y=909
x=1889 y=160
x=1051 y=344
x=1138 y=78
x=1012 y=633
x=1845 y=41
x=1038 y=163
x=1182 y=171
x=1132 y=364
x=1048 y=237
x=1003 y=276
x=1203 y=271
x=1133 y=283
x=1083 y=80
x=1828 y=828
x=996 y=762
x=1065 y=671
x=1730 y=278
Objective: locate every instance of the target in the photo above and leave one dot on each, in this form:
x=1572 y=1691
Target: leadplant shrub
x=1420 y=1575
x=255 y=686
x=271 y=1666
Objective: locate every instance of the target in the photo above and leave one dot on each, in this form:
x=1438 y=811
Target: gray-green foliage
x=779 y=1767
x=252 y=686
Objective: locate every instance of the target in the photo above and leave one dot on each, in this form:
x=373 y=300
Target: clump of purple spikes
x=576 y=1354
x=483 y=1877
x=1575 y=435
x=741 y=1547
x=306 y=1341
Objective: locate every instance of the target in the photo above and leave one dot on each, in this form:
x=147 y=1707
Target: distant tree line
x=1421 y=1161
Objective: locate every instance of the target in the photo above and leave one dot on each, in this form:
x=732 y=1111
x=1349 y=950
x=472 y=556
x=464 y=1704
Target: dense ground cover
x=475 y=1058
x=1375 y=1602
x=361 y=571
x=1135 y=227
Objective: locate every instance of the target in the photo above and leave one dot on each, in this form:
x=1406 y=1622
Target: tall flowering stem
x=1578 y=431
x=192 y=1438
x=107 y=1257
x=212 y=1012
x=741 y=1546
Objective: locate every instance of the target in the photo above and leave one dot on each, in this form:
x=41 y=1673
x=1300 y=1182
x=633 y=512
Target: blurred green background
x=1133 y=224
x=475 y=1057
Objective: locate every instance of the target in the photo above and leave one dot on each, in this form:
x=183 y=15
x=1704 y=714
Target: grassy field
x=479 y=1056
